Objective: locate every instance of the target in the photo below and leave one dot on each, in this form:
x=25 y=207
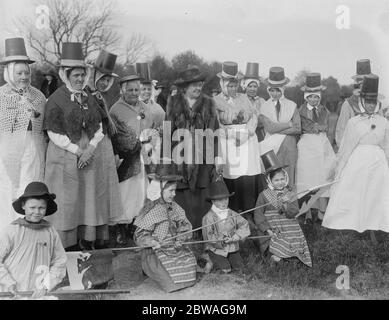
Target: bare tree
x=138 y=46
x=86 y=21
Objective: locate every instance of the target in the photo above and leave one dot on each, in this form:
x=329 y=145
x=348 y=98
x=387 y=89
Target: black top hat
x=313 y=83
x=72 y=55
x=36 y=189
x=143 y=71
x=363 y=69
x=105 y=63
x=132 y=75
x=277 y=77
x=166 y=172
x=218 y=190
x=271 y=162
x=189 y=75
x=230 y=71
x=161 y=85
x=15 y=50
x=252 y=71
x=369 y=87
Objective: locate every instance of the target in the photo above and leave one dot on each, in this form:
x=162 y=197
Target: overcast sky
x=295 y=34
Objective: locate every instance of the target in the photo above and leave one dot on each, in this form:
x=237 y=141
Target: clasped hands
x=85 y=156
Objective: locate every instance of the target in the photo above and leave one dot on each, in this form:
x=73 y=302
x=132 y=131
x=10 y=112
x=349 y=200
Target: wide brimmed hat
x=15 y=51
x=276 y=78
x=72 y=55
x=143 y=71
x=369 y=89
x=166 y=172
x=132 y=75
x=271 y=162
x=218 y=190
x=36 y=189
x=105 y=63
x=363 y=69
x=191 y=74
x=252 y=71
x=313 y=83
x=230 y=71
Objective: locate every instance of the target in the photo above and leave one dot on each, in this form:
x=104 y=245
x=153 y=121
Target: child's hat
x=218 y=190
x=271 y=162
x=36 y=189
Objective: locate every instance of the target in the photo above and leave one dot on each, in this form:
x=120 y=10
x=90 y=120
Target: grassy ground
x=290 y=279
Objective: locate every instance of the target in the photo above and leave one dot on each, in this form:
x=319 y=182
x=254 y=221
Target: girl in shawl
x=22 y=142
x=167 y=261
x=315 y=154
x=78 y=168
x=277 y=219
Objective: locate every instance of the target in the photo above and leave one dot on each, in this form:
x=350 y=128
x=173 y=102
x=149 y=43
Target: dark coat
x=49 y=88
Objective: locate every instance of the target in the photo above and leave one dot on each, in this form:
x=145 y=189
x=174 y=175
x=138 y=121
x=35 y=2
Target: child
x=315 y=154
x=277 y=219
x=32 y=257
x=230 y=229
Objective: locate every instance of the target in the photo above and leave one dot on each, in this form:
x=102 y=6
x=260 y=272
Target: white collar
x=310 y=108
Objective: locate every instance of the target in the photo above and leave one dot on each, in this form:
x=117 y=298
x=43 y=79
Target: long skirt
x=152 y=267
x=87 y=198
x=289 y=240
x=360 y=200
x=133 y=195
x=22 y=158
x=315 y=160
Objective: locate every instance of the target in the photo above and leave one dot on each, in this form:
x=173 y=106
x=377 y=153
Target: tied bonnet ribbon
x=271 y=186
x=246 y=82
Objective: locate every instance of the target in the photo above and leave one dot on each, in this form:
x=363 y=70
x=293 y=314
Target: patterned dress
x=172 y=268
x=289 y=240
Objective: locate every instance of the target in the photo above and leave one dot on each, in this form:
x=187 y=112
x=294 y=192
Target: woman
x=191 y=110
x=49 y=85
x=100 y=82
x=22 y=142
x=315 y=154
x=281 y=120
x=360 y=200
x=239 y=119
x=167 y=261
x=78 y=168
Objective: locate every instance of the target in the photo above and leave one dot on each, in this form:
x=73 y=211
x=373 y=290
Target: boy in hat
x=277 y=218
x=32 y=257
x=228 y=230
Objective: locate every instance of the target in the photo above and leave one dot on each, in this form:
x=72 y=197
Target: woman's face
x=221 y=204
x=193 y=91
x=232 y=88
x=370 y=106
x=275 y=93
x=103 y=83
x=252 y=89
x=21 y=75
x=77 y=78
x=169 y=193
x=145 y=91
x=279 y=180
x=313 y=100
x=131 y=91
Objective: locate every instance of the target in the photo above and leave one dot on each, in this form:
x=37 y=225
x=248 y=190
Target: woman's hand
x=12 y=289
x=155 y=244
x=86 y=157
x=270 y=233
x=39 y=293
x=177 y=244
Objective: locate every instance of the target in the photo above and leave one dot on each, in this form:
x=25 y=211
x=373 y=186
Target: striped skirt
x=179 y=263
x=288 y=240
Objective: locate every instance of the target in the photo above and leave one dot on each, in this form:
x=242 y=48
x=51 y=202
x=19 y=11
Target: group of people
x=104 y=166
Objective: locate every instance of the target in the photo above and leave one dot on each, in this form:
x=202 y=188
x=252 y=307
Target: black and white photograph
x=197 y=153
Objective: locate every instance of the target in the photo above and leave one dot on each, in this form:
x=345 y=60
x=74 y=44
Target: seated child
x=32 y=257
x=230 y=229
x=278 y=218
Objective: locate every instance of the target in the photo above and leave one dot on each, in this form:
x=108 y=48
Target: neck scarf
x=222 y=214
x=75 y=94
x=31 y=225
x=223 y=85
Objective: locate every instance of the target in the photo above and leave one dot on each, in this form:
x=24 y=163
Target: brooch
x=373 y=126
x=141 y=116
